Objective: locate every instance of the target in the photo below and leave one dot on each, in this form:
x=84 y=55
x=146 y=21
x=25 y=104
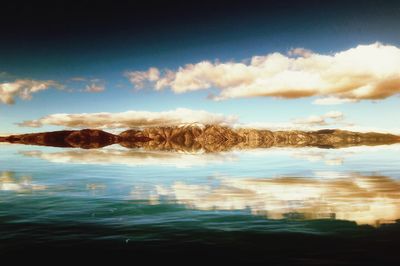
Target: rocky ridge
x=208 y=138
x=212 y=138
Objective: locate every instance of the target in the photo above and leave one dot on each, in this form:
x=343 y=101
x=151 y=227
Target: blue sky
x=108 y=57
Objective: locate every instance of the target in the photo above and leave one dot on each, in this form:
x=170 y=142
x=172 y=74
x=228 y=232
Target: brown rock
x=86 y=139
x=209 y=138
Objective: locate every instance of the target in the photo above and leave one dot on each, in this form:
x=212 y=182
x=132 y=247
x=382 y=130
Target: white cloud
x=94 y=88
x=114 y=122
x=138 y=78
x=24 y=88
x=131 y=119
x=333 y=101
x=313 y=120
x=336 y=115
x=91 y=85
x=332 y=119
x=364 y=72
x=321 y=120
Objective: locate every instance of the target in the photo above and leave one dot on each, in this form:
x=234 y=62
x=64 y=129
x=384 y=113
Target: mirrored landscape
x=132 y=200
x=347 y=191
x=200 y=132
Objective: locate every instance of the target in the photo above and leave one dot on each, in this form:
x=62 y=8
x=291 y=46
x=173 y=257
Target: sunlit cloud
x=321 y=120
x=360 y=73
x=333 y=101
x=183 y=116
x=140 y=77
x=331 y=119
x=131 y=119
x=24 y=88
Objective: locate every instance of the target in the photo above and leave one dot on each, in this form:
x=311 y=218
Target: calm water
x=284 y=206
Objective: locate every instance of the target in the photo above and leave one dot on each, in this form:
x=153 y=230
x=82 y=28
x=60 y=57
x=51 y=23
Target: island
x=208 y=138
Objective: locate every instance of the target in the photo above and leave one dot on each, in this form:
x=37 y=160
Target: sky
x=267 y=64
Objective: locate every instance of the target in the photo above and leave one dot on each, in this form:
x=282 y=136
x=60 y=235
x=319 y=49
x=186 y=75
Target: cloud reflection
x=132 y=157
x=9 y=182
x=369 y=200
x=321 y=156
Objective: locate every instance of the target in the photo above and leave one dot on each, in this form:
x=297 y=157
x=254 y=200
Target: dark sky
x=83 y=32
x=66 y=21
x=62 y=19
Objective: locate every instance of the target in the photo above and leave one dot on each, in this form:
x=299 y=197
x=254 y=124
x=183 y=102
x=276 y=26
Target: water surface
x=292 y=206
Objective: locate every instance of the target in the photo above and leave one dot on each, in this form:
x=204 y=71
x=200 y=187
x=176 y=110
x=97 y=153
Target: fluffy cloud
x=181 y=116
x=321 y=120
x=364 y=72
x=333 y=101
x=23 y=88
x=131 y=119
x=140 y=77
x=332 y=119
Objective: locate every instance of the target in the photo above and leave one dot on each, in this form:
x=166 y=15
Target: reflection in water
x=209 y=138
x=131 y=157
x=312 y=202
x=320 y=155
x=330 y=194
x=364 y=199
x=142 y=157
x=8 y=182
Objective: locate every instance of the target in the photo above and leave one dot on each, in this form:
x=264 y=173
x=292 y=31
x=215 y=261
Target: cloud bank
x=333 y=101
x=179 y=116
x=24 y=88
x=131 y=119
x=184 y=116
x=364 y=72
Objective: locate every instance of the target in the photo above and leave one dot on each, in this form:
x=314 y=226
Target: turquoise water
x=313 y=205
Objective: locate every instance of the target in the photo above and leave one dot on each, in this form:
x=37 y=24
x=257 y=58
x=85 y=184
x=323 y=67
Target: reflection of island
x=86 y=139
x=8 y=182
x=209 y=138
x=132 y=157
x=364 y=199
